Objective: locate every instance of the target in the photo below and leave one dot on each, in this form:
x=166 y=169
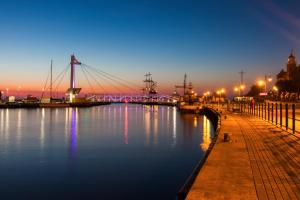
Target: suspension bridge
x=99 y=84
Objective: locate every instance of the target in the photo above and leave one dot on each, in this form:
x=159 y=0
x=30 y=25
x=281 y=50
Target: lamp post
x=239 y=90
x=267 y=80
x=220 y=92
x=264 y=83
x=206 y=94
x=275 y=89
x=236 y=89
x=242 y=87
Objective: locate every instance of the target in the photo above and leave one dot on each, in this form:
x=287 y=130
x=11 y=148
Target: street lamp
x=220 y=92
x=267 y=80
x=242 y=87
x=275 y=89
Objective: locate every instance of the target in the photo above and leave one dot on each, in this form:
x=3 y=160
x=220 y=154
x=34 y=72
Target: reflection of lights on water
x=2 y=121
x=147 y=125
x=126 y=125
x=155 y=123
x=206 y=134
x=7 y=124
x=66 y=123
x=42 y=136
x=19 y=125
x=73 y=132
x=195 y=121
x=174 y=126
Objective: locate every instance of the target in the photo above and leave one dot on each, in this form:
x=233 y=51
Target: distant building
x=291 y=66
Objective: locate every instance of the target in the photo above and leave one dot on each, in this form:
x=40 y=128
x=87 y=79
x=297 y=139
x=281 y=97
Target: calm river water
x=116 y=151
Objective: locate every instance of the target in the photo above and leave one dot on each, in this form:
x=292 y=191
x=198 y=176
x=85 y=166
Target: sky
x=210 y=41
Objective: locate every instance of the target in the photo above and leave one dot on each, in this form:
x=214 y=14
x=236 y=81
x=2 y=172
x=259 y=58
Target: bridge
x=100 y=83
x=133 y=98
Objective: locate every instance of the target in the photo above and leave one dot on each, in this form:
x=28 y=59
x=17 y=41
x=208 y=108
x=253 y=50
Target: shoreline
x=185 y=189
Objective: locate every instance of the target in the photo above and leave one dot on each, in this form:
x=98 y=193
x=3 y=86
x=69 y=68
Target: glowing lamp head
x=236 y=89
x=269 y=79
x=260 y=83
x=275 y=88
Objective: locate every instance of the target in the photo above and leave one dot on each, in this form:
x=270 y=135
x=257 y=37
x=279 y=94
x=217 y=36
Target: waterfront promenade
x=260 y=162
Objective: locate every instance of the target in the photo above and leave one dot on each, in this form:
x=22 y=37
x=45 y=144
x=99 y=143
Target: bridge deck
x=260 y=162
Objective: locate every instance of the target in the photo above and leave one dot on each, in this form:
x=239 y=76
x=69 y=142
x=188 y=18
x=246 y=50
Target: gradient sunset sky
x=211 y=41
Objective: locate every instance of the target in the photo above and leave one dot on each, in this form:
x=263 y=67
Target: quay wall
x=215 y=117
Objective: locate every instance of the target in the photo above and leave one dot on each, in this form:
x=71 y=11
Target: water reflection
x=73 y=133
x=42 y=130
x=126 y=125
x=19 y=126
x=174 y=126
x=2 y=121
x=147 y=123
x=6 y=134
x=206 y=134
x=195 y=121
x=155 y=122
x=67 y=146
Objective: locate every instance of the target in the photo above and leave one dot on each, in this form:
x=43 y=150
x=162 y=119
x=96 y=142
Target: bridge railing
x=282 y=114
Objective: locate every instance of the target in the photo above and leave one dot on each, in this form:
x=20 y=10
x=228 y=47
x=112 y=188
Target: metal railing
x=281 y=114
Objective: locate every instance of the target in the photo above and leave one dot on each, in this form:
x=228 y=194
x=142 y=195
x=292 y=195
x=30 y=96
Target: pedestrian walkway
x=260 y=162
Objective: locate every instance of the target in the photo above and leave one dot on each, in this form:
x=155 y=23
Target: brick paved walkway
x=260 y=162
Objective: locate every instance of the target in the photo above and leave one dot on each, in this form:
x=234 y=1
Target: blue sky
x=209 y=40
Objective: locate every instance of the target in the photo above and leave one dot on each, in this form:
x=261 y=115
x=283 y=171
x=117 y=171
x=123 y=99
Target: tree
x=254 y=91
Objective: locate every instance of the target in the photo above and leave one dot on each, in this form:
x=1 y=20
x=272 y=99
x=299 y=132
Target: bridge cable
x=61 y=79
x=85 y=75
x=112 y=80
x=99 y=84
x=42 y=95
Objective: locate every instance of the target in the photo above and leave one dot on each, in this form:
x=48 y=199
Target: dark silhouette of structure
x=291 y=66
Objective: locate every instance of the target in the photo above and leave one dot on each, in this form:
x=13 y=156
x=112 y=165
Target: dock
x=261 y=161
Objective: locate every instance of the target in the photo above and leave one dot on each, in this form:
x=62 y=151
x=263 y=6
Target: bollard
x=276 y=113
x=293 y=116
x=226 y=137
x=272 y=107
x=268 y=111
x=286 y=117
x=265 y=111
x=280 y=114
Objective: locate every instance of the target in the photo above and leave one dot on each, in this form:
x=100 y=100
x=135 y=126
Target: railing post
x=280 y=114
x=265 y=111
x=248 y=107
x=268 y=111
x=286 y=117
x=276 y=113
x=272 y=112
x=293 y=114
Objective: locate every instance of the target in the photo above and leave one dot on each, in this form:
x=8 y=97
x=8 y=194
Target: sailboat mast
x=51 y=81
x=184 y=84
